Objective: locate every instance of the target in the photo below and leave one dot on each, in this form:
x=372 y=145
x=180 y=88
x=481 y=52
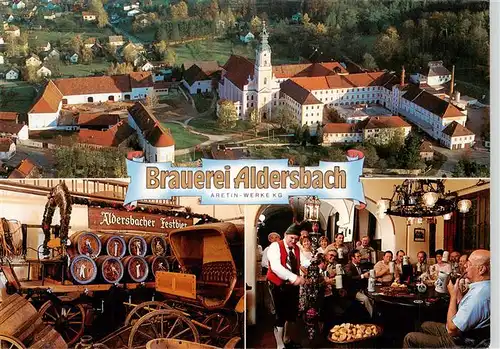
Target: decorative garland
x=60 y=197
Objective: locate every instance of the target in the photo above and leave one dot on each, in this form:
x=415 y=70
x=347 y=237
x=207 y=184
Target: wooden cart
x=203 y=303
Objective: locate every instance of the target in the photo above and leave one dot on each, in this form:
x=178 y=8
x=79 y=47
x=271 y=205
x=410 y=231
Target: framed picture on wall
x=419 y=235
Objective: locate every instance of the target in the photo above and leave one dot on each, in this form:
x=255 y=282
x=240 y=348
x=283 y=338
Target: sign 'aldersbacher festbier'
x=111 y=219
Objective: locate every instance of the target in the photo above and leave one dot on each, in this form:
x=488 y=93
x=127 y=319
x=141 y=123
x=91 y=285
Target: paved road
x=481 y=156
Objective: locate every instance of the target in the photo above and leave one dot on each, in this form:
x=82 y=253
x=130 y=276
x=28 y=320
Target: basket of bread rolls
x=347 y=333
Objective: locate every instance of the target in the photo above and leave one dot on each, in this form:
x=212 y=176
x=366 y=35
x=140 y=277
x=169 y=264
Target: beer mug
x=340 y=253
x=338 y=269
x=442 y=282
x=405 y=260
x=338 y=282
x=446 y=254
x=391 y=267
x=373 y=257
x=372 y=273
x=371 y=284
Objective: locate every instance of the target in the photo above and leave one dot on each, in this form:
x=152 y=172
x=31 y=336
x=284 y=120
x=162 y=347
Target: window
x=90 y=99
x=265 y=81
x=265 y=62
x=251 y=98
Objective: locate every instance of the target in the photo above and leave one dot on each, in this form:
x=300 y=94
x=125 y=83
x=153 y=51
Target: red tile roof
x=24 y=170
x=141 y=79
x=426 y=147
x=5 y=144
x=208 y=67
x=298 y=93
x=238 y=69
x=455 y=129
x=152 y=129
x=104 y=84
x=135 y=154
x=308 y=70
x=89 y=14
x=97 y=119
x=49 y=100
x=109 y=138
x=382 y=122
x=10 y=127
x=8 y=116
x=342 y=81
x=339 y=128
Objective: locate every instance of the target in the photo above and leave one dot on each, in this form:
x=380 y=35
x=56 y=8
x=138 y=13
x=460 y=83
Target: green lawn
x=16 y=96
x=183 y=138
x=208 y=50
x=83 y=69
x=210 y=126
x=202 y=102
x=189 y=157
x=39 y=37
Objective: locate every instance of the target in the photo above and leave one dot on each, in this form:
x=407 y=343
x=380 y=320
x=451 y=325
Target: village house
x=89 y=43
x=200 y=77
x=33 y=61
x=305 y=89
x=18 y=5
x=133 y=13
x=7 y=149
x=247 y=38
x=73 y=58
x=89 y=16
x=426 y=151
x=12 y=74
x=43 y=72
x=45 y=48
x=116 y=136
x=156 y=140
x=97 y=121
x=13 y=130
x=2 y=60
x=147 y=66
x=93 y=89
x=2 y=41
x=116 y=40
x=9 y=116
x=12 y=30
x=341 y=133
x=53 y=55
x=25 y=169
x=50 y=17
x=128 y=7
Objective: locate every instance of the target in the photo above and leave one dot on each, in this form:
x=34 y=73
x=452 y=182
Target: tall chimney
x=402 y=83
x=452 y=82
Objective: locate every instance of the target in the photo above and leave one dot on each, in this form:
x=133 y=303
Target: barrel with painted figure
x=157 y=263
x=110 y=269
x=83 y=269
x=115 y=245
x=85 y=243
x=136 y=267
x=137 y=246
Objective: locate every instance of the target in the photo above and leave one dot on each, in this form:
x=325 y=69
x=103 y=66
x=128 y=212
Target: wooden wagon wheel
x=162 y=324
x=221 y=329
x=144 y=309
x=8 y=342
x=67 y=319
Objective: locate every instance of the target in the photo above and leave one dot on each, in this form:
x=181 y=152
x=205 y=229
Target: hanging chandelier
x=422 y=198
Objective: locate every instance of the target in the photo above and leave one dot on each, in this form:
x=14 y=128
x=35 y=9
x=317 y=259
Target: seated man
x=382 y=269
x=368 y=256
x=355 y=281
x=471 y=314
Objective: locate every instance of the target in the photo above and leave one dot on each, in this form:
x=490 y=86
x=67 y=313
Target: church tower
x=264 y=75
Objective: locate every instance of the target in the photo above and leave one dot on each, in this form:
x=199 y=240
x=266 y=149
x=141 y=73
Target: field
x=210 y=126
x=16 y=96
x=83 y=69
x=39 y=37
x=183 y=138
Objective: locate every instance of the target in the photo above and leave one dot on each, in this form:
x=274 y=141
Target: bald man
x=465 y=313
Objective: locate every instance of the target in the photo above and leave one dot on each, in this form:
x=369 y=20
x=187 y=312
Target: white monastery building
x=307 y=89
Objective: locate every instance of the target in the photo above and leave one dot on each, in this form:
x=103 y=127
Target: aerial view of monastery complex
x=85 y=84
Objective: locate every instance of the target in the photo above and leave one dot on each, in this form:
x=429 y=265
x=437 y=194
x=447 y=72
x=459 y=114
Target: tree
x=152 y=100
x=369 y=62
x=54 y=64
x=97 y=7
x=370 y=153
x=161 y=47
x=255 y=25
x=13 y=48
x=485 y=127
x=169 y=57
x=319 y=133
x=306 y=19
x=285 y=118
x=387 y=46
x=213 y=9
x=226 y=115
x=29 y=74
x=87 y=55
x=120 y=68
x=76 y=44
x=333 y=116
x=321 y=29
x=161 y=35
x=129 y=53
x=409 y=156
x=179 y=11
x=306 y=135
x=176 y=36
x=254 y=117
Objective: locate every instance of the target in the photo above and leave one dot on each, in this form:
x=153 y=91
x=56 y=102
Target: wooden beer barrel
x=115 y=245
x=85 y=243
x=83 y=269
x=158 y=246
x=157 y=263
x=136 y=267
x=48 y=338
x=137 y=246
x=18 y=318
x=110 y=269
